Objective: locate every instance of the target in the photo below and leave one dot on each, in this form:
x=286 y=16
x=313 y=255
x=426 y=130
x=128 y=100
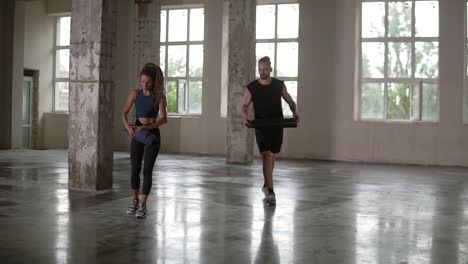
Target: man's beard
x=264 y=77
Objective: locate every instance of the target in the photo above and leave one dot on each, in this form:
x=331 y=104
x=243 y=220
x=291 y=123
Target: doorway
x=28 y=85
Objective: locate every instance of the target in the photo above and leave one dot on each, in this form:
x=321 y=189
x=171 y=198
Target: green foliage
x=430 y=103
x=195 y=97
x=177 y=68
x=398 y=101
x=171 y=97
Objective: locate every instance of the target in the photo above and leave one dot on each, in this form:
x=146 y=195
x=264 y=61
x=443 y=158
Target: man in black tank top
x=265 y=93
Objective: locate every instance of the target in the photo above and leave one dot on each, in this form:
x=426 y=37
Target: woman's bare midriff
x=146 y=120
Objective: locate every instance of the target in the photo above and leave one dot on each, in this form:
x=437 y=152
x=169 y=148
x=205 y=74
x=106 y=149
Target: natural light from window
x=61 y=63
x=399 y=77
x=181 y=58
x=277 y=34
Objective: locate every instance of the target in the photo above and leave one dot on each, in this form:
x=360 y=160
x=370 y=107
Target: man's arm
x=245 y=106
x=292 y=105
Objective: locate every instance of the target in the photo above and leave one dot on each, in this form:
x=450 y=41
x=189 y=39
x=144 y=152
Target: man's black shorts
x=269 y=139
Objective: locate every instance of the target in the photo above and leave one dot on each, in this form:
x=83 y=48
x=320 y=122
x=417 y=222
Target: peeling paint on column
x=91 y=94
x=105 y=126
x=146 y=35
x=108 y=37
x=241 y=71
x=82 y=135
x=85 y=31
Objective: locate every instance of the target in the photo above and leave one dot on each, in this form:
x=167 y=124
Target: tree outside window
x=399 y=60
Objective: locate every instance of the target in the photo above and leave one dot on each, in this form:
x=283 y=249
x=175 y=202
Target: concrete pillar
x=241 y=71
x=11 y=72
x=145 y=40
x=146 y=33
x=6 y=70
x=91 y=94
x=18 y=73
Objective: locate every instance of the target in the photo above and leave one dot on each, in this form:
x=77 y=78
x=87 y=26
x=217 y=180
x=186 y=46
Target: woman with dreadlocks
x=150 y=105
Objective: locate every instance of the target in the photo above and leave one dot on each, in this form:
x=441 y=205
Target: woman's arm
x=128 y=105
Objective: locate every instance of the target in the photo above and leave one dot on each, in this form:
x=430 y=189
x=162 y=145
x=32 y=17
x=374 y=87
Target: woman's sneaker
x=133 y=207
x=142 y=212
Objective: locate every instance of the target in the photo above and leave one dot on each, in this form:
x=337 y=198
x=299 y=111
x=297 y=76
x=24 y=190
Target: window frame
x=56 y=48
x=187 y=78
x=275 y=41
x=465 y=69
x=385 y=80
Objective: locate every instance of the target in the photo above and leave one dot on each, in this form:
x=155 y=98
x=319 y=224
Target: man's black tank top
x=266 y=99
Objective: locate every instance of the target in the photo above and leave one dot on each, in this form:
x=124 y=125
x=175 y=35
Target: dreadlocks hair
x=155 y=73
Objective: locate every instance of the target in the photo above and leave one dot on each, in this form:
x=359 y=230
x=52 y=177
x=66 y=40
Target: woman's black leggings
x=136 y=155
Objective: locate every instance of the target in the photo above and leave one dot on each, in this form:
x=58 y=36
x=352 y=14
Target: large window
x=399 y=62
x=61 y=63
x=181 y=55
x=277 y=33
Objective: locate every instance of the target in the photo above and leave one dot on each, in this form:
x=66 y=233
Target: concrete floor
x=205 y=211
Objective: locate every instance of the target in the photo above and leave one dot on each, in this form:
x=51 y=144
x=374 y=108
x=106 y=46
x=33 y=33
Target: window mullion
x=187 y=68
x=413 y=35
x=275 y=63
x=360 y=79
x=166 y=59
x=54 y=88
x=386 y=81
x=413 y=57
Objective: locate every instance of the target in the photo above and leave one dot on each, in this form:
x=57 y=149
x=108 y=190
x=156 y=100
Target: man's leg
x=265 y=185
x=268 y=164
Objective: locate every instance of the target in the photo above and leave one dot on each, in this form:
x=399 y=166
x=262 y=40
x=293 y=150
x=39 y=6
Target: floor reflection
x=202 y=210
x=178 y=218
x=62 y=225
x=268 y=251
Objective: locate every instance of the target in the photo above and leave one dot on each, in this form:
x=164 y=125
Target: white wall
x=38 y=55
x=55 y=127
x=57 y=6
x=326 y=93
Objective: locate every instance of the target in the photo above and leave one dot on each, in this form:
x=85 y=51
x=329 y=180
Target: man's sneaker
x=133 y=207
x=142 y=212
x=271 y=199
x=265 y=191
